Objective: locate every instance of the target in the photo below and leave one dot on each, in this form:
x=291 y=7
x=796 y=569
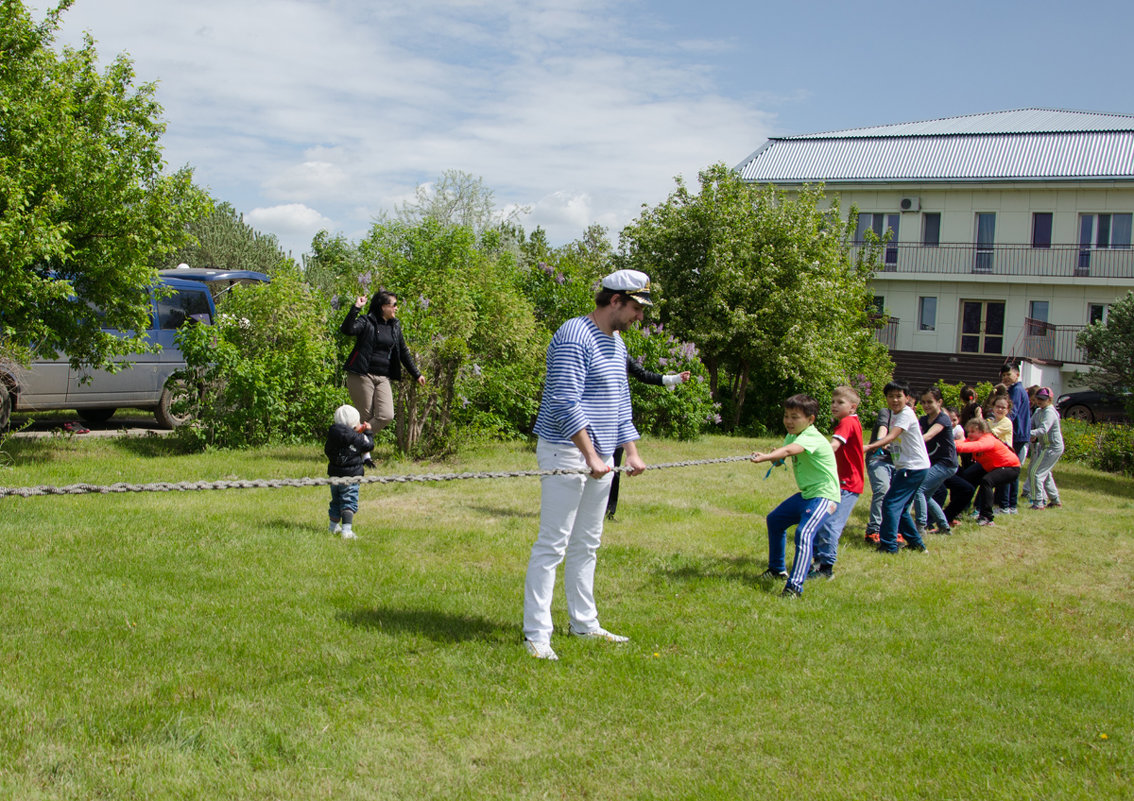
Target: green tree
x=85 y=210
x=264 y=371
x=222 y=239
x=1110 y=349
x=764 y=284
x=472 y=334
x=456 y=198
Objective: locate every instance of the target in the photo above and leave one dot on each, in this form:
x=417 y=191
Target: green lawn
x=223 y=645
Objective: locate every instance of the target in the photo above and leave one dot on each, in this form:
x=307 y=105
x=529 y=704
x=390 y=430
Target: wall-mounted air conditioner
x=910 y=204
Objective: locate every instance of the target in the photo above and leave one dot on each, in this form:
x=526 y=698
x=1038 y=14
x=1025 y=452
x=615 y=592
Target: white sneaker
x=335 y=528
x=600 y=634
x=349 y=535
x=540 y=650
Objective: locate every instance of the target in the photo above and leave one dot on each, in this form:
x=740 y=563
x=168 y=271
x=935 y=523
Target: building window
x=1037 y=318
x=1097 y=313
x=985 y=238
x=926 y=314
x=1041 y=229
x=880 y=223
x=1101 y=231
x=982 y=326
x=931 y=229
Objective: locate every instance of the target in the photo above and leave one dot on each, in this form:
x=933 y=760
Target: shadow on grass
x=152 y=445
x=437 y=626
x=684 y=568
x=502 y=511
x=1119 y=486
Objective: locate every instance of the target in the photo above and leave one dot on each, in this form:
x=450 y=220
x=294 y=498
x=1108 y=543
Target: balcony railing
x=888 y=333
x=1057 y=261
x=1040 y=340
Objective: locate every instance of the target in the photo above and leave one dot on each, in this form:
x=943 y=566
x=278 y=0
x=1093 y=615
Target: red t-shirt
x=848 y=458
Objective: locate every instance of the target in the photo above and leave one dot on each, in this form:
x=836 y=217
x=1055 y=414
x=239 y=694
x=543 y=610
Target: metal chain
x=189 y=486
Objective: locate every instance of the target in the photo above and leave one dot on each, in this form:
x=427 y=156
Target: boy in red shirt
x=846 y=441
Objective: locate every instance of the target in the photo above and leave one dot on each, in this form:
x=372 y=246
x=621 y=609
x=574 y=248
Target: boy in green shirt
x=813 y=464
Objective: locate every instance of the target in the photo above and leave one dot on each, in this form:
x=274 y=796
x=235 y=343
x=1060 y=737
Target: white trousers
x=570 y=530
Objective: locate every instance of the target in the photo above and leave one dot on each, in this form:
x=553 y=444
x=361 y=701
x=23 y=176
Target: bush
x=1103 y=446
x=686 y=410
x=264 y=373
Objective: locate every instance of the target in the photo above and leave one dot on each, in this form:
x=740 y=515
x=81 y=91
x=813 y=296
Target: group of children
x=912 y=464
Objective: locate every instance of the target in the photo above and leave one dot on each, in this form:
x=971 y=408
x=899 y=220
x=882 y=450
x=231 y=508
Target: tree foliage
x=85 y=209
x=456 y=198
x=764 y=284
x=1110 y=349
x=264 y=372
x=222 y=239
x=472 y=334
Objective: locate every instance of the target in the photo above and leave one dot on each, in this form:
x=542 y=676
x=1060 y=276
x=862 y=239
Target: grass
x=223 y=645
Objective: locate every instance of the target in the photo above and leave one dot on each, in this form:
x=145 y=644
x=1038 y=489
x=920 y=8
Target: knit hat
x=347 y=415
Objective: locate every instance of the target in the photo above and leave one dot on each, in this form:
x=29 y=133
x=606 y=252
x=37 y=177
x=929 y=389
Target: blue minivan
x=96 y=394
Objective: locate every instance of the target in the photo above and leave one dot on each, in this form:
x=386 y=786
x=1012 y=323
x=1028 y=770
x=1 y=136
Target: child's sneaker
x=873 y=537
x=1037 y=507
x=348 y=533
x=901 y=540
x=822 y=571
x=1054 y=504
x=791 y=592
x=984 y=521
x=1004 y=510
x=777 y=575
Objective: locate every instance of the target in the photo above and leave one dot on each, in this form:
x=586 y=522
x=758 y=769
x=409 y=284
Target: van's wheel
x=99 y=415
x=176 y=392
x=5 y=406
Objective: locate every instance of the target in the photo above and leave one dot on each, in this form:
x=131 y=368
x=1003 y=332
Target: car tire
x=175 y=389
x=98 y=415
x=1079 y=412
x=5 y=406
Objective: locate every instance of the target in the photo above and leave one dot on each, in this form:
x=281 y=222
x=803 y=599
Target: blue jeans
x=1008 y=495
x=879 y=469
x=925 y=506
x=344 y=498
x=827 y=538
x=896 y=510
x=807 y=515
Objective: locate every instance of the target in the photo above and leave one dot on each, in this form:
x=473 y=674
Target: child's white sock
x=348 y=532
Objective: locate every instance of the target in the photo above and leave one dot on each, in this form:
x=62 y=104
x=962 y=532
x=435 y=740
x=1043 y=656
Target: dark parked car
x=1093 y=407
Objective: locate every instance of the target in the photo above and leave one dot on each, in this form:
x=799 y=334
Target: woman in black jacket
x=379 y=353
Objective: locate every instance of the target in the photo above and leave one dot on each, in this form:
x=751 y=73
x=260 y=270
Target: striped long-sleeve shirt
x=586 y=388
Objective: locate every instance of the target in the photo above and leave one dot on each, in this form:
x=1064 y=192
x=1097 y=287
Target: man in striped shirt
x=583 y=416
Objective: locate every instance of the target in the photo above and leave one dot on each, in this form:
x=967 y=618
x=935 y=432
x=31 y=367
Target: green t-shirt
x=815 y=472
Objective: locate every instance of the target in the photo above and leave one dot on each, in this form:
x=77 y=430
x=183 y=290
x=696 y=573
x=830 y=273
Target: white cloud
x=334 y=110
x=289 y=221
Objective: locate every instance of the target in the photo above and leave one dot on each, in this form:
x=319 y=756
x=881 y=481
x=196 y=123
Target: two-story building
x=1009 y=232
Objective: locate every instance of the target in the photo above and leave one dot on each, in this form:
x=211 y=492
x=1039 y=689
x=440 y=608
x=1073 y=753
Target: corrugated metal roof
x=1028 y=144
x=1025 y=120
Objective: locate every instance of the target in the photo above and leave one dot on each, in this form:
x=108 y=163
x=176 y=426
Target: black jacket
x=642 y=374
x=345 y=450
x=379 y=349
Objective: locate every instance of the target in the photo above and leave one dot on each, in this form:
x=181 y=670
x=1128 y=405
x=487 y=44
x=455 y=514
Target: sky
x=311 y=115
